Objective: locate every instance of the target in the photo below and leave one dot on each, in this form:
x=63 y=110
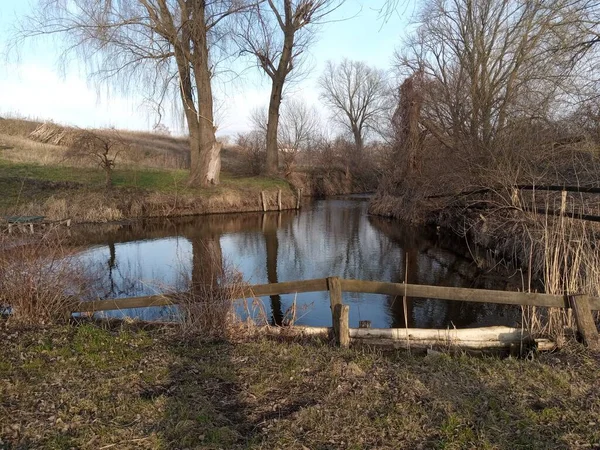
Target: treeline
x=494 y=93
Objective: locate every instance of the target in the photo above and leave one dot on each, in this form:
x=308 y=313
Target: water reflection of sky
x=331 y=238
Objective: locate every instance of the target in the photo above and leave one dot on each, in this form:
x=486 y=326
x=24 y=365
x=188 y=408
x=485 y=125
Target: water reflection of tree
x=428 y=264
x=270 y=225
x=333 y=238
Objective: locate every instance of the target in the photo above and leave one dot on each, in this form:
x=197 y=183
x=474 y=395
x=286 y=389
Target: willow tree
x=277 y=33
x=162 y=48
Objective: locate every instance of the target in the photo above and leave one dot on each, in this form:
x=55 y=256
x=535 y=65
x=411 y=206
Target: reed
x=562 y=252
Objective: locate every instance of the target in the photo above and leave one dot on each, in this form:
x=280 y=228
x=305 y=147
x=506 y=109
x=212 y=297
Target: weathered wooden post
x=264 y=203
x=298 y=197
x=279 y=200
x=563 y=203
x=585 y=321
x=339 y=312
x=341 y=316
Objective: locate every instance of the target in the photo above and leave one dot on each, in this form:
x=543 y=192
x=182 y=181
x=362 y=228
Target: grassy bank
x=90 y=387
x=77 y=192
x=149 y=178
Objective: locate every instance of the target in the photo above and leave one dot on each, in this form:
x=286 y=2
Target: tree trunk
x=278 y=79
x=273 y=126
x=358 y=140
x=108 y=178
x=205 y=151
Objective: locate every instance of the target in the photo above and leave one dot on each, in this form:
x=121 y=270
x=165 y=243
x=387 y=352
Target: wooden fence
x=581 y=305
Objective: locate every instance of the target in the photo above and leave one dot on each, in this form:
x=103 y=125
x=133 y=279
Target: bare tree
x=488 y=65
x=102 y=147
x=297 y=129
x=357 y=94
x=161 y=46
x=277 y=33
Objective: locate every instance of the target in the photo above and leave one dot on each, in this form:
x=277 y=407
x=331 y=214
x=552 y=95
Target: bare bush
x=39 y=281
x=103 y=148
x=253 y=147
x=207 y=307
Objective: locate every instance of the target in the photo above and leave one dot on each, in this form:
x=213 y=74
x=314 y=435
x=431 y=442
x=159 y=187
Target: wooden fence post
x=279 y=200
x=585 y=321
x=341 y=319
x=334 y=286
x=264 y=203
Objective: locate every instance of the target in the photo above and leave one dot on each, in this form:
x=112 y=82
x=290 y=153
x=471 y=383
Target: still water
x=333 y=237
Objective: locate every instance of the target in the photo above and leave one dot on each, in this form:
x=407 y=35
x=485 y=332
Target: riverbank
x=77 y=193
x=86 y=386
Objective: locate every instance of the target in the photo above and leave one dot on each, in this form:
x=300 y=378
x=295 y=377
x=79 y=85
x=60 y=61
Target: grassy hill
x=149 y=178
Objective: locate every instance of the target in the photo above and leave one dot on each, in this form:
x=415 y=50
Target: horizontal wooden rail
x=125 y=303
x=359 y=286
x=286 y=287
x=452 y=293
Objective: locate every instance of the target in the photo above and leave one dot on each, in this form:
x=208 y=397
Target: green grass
x=89 y=387
x=150 y=179
x=27 y=183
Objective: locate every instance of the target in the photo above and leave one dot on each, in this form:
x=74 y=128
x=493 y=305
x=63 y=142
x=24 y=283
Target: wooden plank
x=585 y=321
x=453 y=293
x=340 y=325
x=287 y=287
x=259 y=290
x=124 y=303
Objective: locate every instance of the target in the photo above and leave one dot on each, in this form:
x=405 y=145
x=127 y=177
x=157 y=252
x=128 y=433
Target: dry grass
x=206 y=307
x=39 y=280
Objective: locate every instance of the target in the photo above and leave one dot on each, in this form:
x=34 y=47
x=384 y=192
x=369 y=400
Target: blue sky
x=34 y=85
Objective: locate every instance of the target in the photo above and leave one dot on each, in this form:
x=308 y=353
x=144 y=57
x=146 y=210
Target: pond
x=331 y=237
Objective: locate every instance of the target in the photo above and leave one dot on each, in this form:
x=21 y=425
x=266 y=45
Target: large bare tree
x=277 y=33
x=160 y=47
x=357 y=94
x=488 y=65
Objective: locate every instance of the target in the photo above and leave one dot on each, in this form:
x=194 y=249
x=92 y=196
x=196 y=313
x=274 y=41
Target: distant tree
x=357 y=94
x=161 y=128
x=277 y=33
x=163 y=46
x=102 y=147
x=297 y=129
